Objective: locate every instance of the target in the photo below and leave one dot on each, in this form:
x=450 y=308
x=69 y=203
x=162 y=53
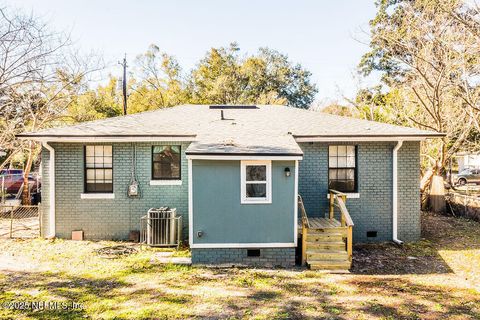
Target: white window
x=256 y=182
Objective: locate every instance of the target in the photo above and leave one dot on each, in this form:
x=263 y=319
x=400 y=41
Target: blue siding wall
x=217 y=210
x=373 y=210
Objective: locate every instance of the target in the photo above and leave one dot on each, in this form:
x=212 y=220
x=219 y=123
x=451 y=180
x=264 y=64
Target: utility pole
x=124 y=84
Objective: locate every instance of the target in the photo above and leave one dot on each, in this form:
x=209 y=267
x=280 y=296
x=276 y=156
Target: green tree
x=375 y=105
x=105 y=101
x=224 y=76
x=157 y=82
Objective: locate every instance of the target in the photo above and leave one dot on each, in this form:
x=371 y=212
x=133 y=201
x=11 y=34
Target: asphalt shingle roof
x=267 y=129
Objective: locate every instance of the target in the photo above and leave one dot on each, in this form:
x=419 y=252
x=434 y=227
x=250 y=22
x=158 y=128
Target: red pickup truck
x=12 y=180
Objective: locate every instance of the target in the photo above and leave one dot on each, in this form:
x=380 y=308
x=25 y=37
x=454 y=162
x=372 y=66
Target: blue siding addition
x=217 y=210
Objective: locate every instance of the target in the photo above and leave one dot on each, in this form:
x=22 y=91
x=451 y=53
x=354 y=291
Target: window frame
x=243 y=182
x=179 y=164
x=85 y=190
x=355 y=169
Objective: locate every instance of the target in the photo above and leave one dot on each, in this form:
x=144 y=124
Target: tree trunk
x=426 y=180
x=437 y=195
x=424 y=189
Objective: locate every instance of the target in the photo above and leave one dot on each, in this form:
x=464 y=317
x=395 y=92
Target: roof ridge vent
x=240 y=107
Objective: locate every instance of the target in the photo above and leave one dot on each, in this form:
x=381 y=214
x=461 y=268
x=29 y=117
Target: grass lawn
x=436 y=278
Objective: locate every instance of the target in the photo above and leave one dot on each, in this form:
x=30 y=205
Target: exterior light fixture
x=287 y=172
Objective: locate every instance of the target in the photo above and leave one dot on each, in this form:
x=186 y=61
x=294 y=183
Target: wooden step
x=329 y=265
x=327 y=255
x=327 y=237
x=339 y=230
x=322 y=246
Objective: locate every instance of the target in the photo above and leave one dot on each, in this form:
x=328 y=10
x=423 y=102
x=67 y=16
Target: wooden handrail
x=303 y=212
x=336 y=192
x=339 y=199
x=344 y=212
x=305 y=227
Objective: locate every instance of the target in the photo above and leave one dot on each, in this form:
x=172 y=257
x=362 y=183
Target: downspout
x=395 y=194
x=51 y=176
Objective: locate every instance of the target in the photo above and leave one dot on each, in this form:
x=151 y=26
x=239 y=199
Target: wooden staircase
x=327 y=242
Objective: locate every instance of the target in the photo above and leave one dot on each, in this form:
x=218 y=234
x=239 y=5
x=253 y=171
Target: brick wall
x=108 y=218
x=113 y=219
x=409 y=224
x=270 y=257
x=373 y=210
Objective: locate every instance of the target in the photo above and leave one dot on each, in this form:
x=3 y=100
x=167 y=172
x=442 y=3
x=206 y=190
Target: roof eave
x=106 y=138
x=352 y=138
x=243 y=156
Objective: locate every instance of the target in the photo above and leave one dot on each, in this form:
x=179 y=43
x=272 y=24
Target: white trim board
x=237 y=157
x=165 y=182
x=190 y=203
x=97 y=196
x=52 y=190
x=353 y=195
x=243 y=245
x=110 y=139
x=243 y=182
x=360 y=139
x=295 y=204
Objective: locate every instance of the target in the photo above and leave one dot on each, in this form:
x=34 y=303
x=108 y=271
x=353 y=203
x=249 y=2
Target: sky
x=326 y=37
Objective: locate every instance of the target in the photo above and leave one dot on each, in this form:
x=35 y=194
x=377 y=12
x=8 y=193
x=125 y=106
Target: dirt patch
x=395 y=259
x=449 y=245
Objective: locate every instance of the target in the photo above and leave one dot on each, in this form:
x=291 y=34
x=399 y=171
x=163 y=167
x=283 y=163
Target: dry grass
x=433 y=279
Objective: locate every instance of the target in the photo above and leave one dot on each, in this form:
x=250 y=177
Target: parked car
x=13 y=180
x=469 y=175
x=4 y=172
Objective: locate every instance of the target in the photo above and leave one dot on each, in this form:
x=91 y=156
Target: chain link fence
x=19 y=221
x=464 y=205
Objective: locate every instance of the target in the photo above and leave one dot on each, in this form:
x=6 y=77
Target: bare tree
x=428 y=56
x=39 y=77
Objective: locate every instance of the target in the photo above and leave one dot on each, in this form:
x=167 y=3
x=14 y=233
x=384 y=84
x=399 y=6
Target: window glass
x=90 y=151
x=342 y=168
x=166 y=162
x=256 y=173
x=98 y=168
x=99 y=151
x=256 y=190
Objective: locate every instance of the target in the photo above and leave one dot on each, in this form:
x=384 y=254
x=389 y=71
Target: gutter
x=106 y=138
x=395 y=194
x=51 y=176
x=361 y=138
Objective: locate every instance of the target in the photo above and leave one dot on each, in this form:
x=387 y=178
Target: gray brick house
x=235 y=174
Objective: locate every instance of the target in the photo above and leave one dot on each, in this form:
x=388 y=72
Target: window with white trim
x=256 y=181
x=166 y=162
